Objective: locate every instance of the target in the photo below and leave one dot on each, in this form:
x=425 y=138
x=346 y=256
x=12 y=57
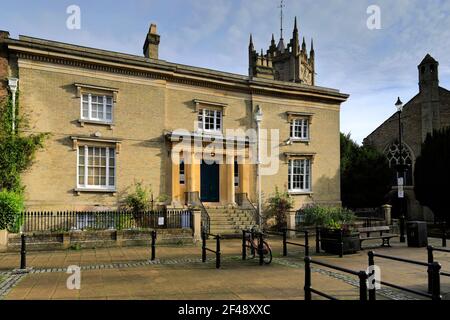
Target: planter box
x=330 y=241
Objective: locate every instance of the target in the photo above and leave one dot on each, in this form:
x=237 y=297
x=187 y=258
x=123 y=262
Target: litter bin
x=416 y=232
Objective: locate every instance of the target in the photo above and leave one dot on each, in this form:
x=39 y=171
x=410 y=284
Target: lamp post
x=258 y=120
x=400 y=171
x=12 y=83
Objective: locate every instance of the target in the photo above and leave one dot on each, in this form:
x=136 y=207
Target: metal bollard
x=306 y=243
x=217 y=252
x=362 y=286
x=317 y=240
x=341 y=243
x=430 y=269
x=260 y=249
x=244 y=245
x=402 y=229
x=284 y=243
x=153 y=245
x=203 y=246
x=436 y=269
x=444 y=235
x=307 y=287
x=372 y=291
x=23 y=252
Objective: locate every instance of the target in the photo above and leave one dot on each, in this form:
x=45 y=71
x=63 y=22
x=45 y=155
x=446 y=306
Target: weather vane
x=281 y=18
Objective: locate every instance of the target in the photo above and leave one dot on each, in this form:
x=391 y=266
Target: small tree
x=139 y=199
x=365 y=175
x=278 y=206
x=432 y=173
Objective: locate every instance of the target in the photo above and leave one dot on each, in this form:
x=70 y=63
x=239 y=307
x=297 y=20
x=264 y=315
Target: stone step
x=227 y=210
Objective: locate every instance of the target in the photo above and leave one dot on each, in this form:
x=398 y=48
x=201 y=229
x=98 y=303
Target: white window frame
x=303 y=127
x=89 y=117
x=307 y=176
x=217 y=120
x=86 y=185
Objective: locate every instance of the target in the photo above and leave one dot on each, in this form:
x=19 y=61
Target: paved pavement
x=126 y=273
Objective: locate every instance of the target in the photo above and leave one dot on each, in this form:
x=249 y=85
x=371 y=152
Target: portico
x=214 y=172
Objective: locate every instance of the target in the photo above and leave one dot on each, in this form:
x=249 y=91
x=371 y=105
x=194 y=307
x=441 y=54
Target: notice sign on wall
x=160 y=221
x=401 y=192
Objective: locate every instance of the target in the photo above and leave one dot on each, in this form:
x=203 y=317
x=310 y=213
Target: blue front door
x=209 y=181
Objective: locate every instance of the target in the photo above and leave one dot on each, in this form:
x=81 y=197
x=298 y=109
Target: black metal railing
x=153 y=257
x=433 y=270
x=119 y=220
x=217 y=253
x=430 y=250
x=193 y=199
x=283 y=234
x=362 y=275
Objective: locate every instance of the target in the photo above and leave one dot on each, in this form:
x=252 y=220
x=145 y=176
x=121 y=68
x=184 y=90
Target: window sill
x=78 y=191
x=298 y=140
x=95 y=122
x=207 y=132
x=301 y=193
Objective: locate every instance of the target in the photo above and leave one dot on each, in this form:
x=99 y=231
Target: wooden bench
x=382 y=233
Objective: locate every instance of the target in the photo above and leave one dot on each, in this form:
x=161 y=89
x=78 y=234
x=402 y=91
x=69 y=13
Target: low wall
x=3 y=240
x=97 y=239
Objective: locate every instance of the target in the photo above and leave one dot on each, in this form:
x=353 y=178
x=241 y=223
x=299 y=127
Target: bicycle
x=252 y=243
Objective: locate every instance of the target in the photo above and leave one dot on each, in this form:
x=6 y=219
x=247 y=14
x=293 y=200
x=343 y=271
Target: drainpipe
x=258 y=119
x=12 y=83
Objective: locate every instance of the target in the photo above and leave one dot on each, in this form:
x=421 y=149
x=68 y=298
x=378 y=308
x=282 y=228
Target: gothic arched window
x=392 y=153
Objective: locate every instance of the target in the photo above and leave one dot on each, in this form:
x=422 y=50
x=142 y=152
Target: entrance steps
x=230 y=221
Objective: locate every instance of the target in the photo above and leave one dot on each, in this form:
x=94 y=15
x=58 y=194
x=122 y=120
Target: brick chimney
x=3 y=64
x=151 y=43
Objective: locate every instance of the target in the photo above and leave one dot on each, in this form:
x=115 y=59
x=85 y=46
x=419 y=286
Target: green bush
x=139 y=199
x=11 y=207
x=278 y=206
x=328 y=217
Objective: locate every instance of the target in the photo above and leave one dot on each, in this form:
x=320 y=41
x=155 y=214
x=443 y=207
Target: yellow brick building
x=115 y=119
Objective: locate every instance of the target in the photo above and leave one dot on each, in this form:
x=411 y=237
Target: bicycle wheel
x=267 y=253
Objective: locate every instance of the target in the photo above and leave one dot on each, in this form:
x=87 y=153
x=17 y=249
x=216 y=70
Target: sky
x=374 y=66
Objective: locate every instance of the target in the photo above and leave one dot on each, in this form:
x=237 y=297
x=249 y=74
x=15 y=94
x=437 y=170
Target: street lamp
x=12 y=83
x=400 y=171
x=258 y=120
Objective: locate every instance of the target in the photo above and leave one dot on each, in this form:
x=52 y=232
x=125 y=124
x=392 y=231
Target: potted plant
x=336 y=227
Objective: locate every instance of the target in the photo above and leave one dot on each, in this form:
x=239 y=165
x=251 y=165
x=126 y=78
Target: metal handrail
x=205 y=249
x=433 y=270
x=255 y=210
x=362 y=275
x=425 y=264
x=430 y=250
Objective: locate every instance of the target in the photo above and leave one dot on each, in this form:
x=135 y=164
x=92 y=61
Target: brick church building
x=427 y=111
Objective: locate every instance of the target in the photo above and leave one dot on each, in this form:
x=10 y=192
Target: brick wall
x=3 y=65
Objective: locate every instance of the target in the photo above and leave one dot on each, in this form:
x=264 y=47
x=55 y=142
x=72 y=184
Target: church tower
x=429 y=95
x=289 y=63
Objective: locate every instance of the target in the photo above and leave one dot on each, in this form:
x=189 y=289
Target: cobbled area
x=7 y=281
